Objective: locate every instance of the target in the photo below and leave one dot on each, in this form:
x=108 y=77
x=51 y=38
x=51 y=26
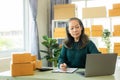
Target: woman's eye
x=77 y=26
x=71 y=29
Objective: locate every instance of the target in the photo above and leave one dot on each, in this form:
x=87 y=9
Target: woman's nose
x=74 y=29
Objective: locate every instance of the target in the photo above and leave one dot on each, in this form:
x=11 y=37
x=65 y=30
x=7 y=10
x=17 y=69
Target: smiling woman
x=12 y=26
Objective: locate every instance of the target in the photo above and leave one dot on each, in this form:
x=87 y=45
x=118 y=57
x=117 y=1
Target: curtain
x=52 y=3
x=33 y=29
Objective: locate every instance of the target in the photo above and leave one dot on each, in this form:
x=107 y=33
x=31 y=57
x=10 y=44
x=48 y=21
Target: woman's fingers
x=63 y=67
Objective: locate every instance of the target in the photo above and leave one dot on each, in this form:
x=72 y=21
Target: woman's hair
x=83 y=40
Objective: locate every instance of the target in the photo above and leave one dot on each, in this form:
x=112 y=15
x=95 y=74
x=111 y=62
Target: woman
x=76 y=46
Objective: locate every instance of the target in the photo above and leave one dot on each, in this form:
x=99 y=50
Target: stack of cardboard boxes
x=23 y=64
x=117 y=48
x=115 y=11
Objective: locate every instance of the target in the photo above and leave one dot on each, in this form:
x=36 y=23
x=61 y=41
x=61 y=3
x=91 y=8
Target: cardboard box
x=60 y=30
x=96 y=30
x=116 y=27
x=33 y=58
x=116 y=33
x=114 y=12
x=103 y=50
x=117 y=51
x=59 y=34
x=117 y=48
x=94 y=12
x=38 y=64
x=117 y=5
x=116 y=44
x=64 y=11
x=97 y=33
x=22 y=69
x=34 y=65
x=21 y=58
x=87 y=31
x=97 y=27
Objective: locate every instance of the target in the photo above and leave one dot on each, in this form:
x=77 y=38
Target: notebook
x=69 y=70
x=100 y=64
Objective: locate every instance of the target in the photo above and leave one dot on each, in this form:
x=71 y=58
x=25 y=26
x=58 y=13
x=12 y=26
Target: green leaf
x=45 y=44
x=45 y=37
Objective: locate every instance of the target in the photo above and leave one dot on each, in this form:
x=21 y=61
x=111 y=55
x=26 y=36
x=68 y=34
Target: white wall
x=42 y=20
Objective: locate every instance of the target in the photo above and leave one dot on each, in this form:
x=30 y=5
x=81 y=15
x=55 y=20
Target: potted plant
x=52 y=52
x=106 y=39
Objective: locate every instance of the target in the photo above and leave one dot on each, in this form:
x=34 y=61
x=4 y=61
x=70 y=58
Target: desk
x=48 y=75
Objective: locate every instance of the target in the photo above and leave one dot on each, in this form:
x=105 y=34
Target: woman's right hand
x=63 y=67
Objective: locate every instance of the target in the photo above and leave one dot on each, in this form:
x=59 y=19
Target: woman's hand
x=63 y=67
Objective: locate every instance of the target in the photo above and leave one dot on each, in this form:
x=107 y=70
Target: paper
x=69 y=70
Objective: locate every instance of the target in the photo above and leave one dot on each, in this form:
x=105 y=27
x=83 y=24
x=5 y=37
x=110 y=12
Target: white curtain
x=33 y=29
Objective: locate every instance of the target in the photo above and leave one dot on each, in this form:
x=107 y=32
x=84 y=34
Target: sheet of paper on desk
x=69 y=70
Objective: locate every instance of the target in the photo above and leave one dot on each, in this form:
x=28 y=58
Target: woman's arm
x=62 y=56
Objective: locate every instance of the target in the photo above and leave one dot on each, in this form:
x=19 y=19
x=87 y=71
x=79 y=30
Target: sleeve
x=92 y=48
x=62 y=57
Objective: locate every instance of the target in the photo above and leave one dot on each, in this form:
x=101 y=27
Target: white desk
x=48 y=75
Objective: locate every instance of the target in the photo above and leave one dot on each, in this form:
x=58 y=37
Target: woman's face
x=74 y=29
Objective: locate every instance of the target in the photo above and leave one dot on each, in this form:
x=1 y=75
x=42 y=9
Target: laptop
x=100 y=64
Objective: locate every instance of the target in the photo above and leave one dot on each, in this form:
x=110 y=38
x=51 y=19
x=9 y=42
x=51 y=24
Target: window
x=13 y=19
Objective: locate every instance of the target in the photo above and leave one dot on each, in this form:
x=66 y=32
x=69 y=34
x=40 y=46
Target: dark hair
x=83 y=40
